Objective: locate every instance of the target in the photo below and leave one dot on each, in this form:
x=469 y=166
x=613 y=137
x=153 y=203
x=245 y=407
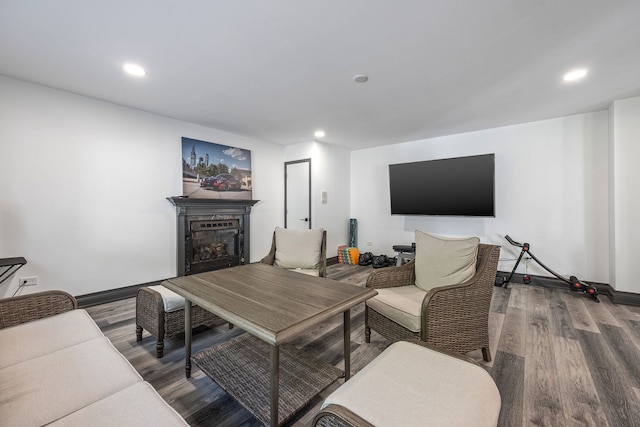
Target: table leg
x=347 y=344
x=187 y=337
x=275 y=383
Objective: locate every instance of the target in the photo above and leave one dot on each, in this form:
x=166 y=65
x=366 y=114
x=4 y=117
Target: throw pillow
x=444 y=261
x=298 y=248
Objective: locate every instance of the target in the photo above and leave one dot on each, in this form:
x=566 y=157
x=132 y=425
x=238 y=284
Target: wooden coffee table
x=270 y=303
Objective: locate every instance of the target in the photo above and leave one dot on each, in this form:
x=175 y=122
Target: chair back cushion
x=443 y=261
x=298 y=248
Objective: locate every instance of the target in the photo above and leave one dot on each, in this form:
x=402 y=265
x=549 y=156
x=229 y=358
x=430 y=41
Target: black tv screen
x=461 y=186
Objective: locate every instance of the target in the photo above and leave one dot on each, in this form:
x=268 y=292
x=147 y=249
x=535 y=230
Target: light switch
x=323 y=196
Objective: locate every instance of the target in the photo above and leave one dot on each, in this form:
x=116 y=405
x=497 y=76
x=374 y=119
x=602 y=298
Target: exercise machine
x=574 y=283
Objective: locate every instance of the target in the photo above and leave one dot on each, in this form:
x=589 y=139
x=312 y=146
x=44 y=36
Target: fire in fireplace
x=212 y=244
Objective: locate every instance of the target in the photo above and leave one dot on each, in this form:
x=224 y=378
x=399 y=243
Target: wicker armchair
x=321 y=270
x=25 y=308
x=151 y=315
x=454 y=317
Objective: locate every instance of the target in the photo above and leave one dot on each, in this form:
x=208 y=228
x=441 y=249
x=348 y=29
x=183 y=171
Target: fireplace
x=211 y=234
x=212 y=244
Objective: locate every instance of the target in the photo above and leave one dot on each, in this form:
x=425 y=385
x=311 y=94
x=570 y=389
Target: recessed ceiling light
x=360 y=78
x=134 y=70
x=574 y=75
x=319 y=134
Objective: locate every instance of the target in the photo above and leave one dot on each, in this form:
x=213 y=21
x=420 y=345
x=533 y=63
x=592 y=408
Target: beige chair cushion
x=298 y=248
x=39 y=337
x=401 y=304
x=410 y=385
x=170 y=299
x=307 y=271
x=444 y=261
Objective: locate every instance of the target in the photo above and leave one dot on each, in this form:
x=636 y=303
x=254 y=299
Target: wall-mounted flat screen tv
x=461 y=186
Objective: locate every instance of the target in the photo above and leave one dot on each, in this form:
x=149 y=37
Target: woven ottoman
x=161 y=312
x=414 y=384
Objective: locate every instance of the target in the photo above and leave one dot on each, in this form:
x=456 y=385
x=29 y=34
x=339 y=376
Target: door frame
x=285 y=187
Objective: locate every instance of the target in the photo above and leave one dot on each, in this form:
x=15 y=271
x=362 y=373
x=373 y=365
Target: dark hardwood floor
x=559 y=358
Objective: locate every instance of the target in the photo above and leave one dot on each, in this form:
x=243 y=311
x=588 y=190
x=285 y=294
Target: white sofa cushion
x=44 y=336
x=441 y=261
x=298 y=248
x=170 y=299
x=401 y=304
x=117 y=410
x=41 y=390
x=410 y=385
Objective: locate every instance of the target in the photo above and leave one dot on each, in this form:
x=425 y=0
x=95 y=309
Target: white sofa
x=57 y=368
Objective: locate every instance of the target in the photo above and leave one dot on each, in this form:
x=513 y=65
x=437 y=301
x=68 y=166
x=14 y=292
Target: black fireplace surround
x=211 y=233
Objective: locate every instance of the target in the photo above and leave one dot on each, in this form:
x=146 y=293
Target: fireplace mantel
x=188 y=209
x=187 y=203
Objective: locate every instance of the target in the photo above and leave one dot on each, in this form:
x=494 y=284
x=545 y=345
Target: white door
x=297 y=194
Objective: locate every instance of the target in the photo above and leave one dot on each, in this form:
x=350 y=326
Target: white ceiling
x=276 y=70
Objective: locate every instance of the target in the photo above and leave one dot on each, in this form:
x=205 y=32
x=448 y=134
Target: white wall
x=84 y=187
x=84 y=184
x=625 y=196
x=551 y=191
x=330 y=167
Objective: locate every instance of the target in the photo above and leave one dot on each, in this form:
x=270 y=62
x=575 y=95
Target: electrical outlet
x=369 y=243
x=29 y=281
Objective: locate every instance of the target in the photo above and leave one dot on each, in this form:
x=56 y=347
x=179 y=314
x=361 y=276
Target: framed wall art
x=215 y=171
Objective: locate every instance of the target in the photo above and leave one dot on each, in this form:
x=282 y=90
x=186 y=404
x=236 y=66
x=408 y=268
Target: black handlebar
x=514 y=243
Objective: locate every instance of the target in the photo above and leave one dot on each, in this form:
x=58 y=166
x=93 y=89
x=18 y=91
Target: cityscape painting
x=215 y=171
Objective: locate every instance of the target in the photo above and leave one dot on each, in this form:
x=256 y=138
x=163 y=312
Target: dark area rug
x=241 y=367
